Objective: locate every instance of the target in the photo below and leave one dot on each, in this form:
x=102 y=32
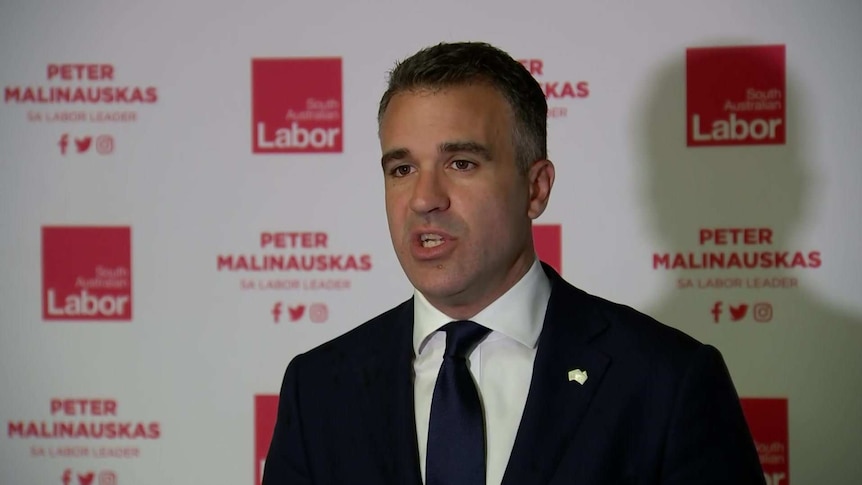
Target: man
x=561 y=388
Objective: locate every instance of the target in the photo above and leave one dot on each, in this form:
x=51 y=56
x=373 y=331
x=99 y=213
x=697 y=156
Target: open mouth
x=430 y=240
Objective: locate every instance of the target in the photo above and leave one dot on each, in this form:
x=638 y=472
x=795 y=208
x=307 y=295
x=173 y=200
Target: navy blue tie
x=456 y=430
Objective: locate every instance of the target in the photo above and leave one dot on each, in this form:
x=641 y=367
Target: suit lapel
x=555 y=404
x=385 y=376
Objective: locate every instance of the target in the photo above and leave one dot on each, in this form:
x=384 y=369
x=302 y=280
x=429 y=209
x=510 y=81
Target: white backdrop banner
x=191 y=194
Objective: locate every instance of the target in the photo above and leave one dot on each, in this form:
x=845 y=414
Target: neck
x=466 y=306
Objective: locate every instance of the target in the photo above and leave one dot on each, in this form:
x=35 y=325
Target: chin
x=439 y=286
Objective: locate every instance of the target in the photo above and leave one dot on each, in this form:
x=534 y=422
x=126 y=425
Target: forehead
x=475 y=111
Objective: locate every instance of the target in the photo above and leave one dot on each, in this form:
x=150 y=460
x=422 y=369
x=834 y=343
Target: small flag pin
x=578 y=375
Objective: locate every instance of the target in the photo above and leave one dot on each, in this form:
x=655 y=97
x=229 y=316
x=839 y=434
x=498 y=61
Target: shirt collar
x=517 y=314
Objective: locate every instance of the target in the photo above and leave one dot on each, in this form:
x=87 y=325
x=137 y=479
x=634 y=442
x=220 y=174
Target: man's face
x=458 y=207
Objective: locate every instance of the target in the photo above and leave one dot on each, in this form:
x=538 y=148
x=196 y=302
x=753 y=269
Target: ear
x=541 y=179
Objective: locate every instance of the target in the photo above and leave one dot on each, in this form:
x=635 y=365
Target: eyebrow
x=397 y=154
x=466 y=146
x=447 y=147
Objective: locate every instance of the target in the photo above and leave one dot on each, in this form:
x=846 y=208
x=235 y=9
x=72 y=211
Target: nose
x=429 y=192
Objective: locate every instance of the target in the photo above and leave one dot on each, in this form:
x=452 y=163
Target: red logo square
x=296 y=105
x=548 y=239
x=87 y=273
x=265 y=413
x=735 y=95
x=767 y=419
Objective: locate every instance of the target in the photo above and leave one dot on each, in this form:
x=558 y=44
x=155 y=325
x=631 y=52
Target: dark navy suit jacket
x=657 y=407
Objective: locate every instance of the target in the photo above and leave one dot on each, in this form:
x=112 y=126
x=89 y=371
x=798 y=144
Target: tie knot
x=462 y=336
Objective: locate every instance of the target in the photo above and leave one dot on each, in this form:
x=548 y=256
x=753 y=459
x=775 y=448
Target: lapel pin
x=578 y=375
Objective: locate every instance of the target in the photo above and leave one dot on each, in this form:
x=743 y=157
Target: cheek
x=490 y=218
x=395 y=214
x=502 y=218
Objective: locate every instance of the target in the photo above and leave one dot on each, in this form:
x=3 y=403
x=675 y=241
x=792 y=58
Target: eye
x=463 y=165
x=401 y=170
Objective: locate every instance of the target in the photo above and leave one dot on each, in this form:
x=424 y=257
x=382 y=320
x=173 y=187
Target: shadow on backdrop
x=810 y=352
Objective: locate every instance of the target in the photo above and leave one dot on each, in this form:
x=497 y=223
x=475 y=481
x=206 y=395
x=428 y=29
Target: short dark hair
x=462 y=63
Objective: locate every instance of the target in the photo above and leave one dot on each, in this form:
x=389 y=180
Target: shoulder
x=644 y=356
x=625 y=322
x=618 y=330
x=377 y=334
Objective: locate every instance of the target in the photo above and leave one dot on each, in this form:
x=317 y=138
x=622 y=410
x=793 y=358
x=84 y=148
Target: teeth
x=431 y=240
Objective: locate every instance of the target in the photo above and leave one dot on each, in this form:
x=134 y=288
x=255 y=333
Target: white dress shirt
x=501 y=365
